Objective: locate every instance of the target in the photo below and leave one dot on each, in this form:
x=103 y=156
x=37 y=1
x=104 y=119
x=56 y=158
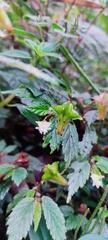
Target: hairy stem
x=97 y=219
x=79 y=225
x=95 y=211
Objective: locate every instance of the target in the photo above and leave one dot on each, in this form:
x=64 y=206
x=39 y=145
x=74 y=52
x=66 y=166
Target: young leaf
x=92 y=237
x=18 y=175
x=70 y=143
x=72 y=221
x=78 y=177
x=6 y=168
x=54 y=218
x=37 y=215
x=20 y=219
x=4 y=188
x=52 y=137
x=89 y=138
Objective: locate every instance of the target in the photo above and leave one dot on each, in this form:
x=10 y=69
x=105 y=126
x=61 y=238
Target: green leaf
x=22 y=33
x=48 y=47
x=6 y=168
x=55 y=55
x=40 y=110
x=79 y=69
x=26 y=113
x=89 y=139
x=72 y=221
x=42 y=232
x=2 y=145
x=32 y=44
x=20 y=92
x=103 y=164
x=16 y=54
x=27 y=7
x=18 y=175
x=78 y=178
x=52 y=137
x=56 y=26
x=8 y=175
x=9 y=149
x=18 y=197
x=59 y=192
x=20 y=219
x=44 y=48
x=35 y=164
x=37 y=215
x=66 y=210
x=31 y=193
x=4 y=188
x=39 y=24
x=64 y=79
x=54 y=218
x=92 y=237
x=70 y=144
x=91 y=116
x=30 y=86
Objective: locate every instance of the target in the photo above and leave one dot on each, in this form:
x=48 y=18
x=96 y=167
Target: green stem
x=95 y=211
x=79 y=225
x=97 y=219
x=7 y=100
x=101 y=226
x=79 y=69
x=41 y=34
x=37 y=61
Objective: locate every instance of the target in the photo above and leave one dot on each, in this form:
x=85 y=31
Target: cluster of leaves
x=50 y=98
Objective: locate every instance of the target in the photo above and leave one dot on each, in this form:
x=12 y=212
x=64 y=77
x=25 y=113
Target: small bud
x=102 y=104
x=65 y=113
x=5 y=22
x=51 y=173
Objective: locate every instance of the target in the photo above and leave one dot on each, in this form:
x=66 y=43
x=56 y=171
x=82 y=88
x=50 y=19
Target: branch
x=28 y=68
